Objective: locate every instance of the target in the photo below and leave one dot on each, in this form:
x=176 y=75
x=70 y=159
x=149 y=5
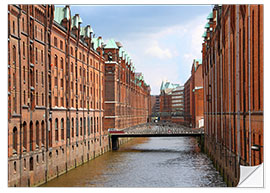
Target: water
x=146 y=162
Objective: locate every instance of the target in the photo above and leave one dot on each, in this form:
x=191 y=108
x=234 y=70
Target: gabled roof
x=206 y=25
x=61 y=13
x=111 y=44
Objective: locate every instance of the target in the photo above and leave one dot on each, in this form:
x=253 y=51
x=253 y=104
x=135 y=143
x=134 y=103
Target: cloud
x=156 y=51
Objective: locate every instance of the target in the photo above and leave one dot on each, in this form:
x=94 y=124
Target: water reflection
x=152 y=162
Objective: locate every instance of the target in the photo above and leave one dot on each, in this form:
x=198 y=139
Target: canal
x=146 y=162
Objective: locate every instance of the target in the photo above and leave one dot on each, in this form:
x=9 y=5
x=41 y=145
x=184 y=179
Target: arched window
x=13 y=25
x=42 y=133
x=71 y=50
x=15 y=139
x=68 y=128
x=24 y=136
x=56 y=130
x=37 y=134
x=31 y=136
x=24 y=97
x=23 y=24
x=31 y=164
x=62 y=129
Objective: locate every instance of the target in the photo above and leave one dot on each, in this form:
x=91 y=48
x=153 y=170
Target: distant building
x=171 y=102
x=155 y=105
x=177 y=98
x=193 y=112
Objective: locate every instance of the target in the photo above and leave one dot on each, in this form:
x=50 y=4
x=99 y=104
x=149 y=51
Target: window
x=62 y=63
x=24 y=136
x=15 y=139
x=31 y=136
x=23 y=23
x=62 y=129
x=55 y=41
x=88 y=125
x=84 y=126
x=31 y=163
x=13 y=25
x=80 y=56
x=41 y=57
x=71 y=50
x=72 y=127
x=42 y=79
x=37 y=134
x=71 y=66
x=55 y=81
x=77 y=127
x=81 y=126
x=56 y=61
x=37 y=76
x=23 y=50
x=50 y=132
x=42 y=99
x=83 y=58
x=24 y=74
x=37 y=98
x=56 y=129
x=56 y=101
x=61 y=44
x=41 y=35
x=24 y=97
x=35 y=31
x=42 y=133
x=62 y=82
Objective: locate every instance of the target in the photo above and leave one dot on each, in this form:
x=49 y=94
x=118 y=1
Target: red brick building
x=127 y=96
x=233 y=87
x=56 y=93
x=194 y=96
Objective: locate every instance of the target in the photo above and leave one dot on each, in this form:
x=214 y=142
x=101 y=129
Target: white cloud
x=156 y=51
x=167 y=53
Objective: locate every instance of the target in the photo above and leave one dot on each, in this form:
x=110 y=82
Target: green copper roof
x=207 y=25
x=204 y=34
x=111 y=44
x=86 y=31
x=60 y=13
x=75 y=21
x=95 y=41
x=168 y=85
x=210 y=16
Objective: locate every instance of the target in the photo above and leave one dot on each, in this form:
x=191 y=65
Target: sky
x=162 y=41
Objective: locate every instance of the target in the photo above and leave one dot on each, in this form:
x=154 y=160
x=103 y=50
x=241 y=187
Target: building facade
x=194 y=96
x=177 y=112
x=233 y=87
x=127 y=98
x=56 y=94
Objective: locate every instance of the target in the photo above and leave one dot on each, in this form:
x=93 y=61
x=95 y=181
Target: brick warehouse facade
x=233 y=87
x=127 y=98
x=56 y=92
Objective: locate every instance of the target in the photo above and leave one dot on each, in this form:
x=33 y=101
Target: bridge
x=154 y=131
